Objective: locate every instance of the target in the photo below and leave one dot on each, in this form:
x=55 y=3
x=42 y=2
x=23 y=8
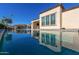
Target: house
x=51 y=19
x=35 y=25
x=29 y=26
x=23 y=26
x=20 y=26
x=59 y=18
x=70 y=18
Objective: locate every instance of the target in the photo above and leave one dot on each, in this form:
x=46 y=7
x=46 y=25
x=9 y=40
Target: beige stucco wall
x=34 y=24
x=56 y=10
x=70 y=19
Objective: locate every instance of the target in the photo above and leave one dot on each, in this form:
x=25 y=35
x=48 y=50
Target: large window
x=43 y=21
x=47 y=20
x=52 y=19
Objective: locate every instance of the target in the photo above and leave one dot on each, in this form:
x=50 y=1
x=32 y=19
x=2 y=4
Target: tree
x=6 y=20
x=2 y=26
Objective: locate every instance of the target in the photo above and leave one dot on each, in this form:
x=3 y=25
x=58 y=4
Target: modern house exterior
x=51 y=19
x=59 y=18
x=35 y=25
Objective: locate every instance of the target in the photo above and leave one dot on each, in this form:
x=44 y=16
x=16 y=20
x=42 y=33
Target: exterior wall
x=56 y=10
x=70 y=19
x=34 y=24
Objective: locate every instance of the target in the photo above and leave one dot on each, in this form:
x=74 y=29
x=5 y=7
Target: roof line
x=53 y=8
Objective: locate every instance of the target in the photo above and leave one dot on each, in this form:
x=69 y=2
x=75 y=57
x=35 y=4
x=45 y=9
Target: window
x=52 y=19
x=47 y=20
x=43 y=21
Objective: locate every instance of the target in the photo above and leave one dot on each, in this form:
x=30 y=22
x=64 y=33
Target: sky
x=24 y=13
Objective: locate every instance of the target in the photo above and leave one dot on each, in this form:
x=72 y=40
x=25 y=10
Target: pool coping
x=2 y=33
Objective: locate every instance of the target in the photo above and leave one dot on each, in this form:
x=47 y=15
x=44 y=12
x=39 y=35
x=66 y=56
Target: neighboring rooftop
x=64 y=10
x=70 y=8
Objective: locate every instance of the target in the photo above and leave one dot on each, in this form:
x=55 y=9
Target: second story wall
x=70 y=19
x=57 y=16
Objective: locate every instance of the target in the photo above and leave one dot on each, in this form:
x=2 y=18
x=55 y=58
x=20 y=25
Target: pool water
x=23 y=42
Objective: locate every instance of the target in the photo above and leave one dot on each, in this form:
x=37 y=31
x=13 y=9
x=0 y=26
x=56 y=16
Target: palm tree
x=6 y=21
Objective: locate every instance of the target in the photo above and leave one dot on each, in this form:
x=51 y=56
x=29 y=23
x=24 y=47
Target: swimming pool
x=23 y=42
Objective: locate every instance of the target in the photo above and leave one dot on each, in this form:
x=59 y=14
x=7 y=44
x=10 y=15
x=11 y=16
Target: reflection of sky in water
x=40 y=42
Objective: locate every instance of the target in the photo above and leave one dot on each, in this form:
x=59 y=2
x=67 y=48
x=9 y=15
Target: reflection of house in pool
x=20 y=31
x=54 y=40
x=51 y=39
x=35 y=25
x=35 y=33
x=70 y=40
x=23 y=31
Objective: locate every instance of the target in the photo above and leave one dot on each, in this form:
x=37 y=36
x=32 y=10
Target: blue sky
x=24 y=13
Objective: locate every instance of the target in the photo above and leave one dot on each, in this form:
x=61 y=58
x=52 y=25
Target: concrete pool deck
x=2 y=31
